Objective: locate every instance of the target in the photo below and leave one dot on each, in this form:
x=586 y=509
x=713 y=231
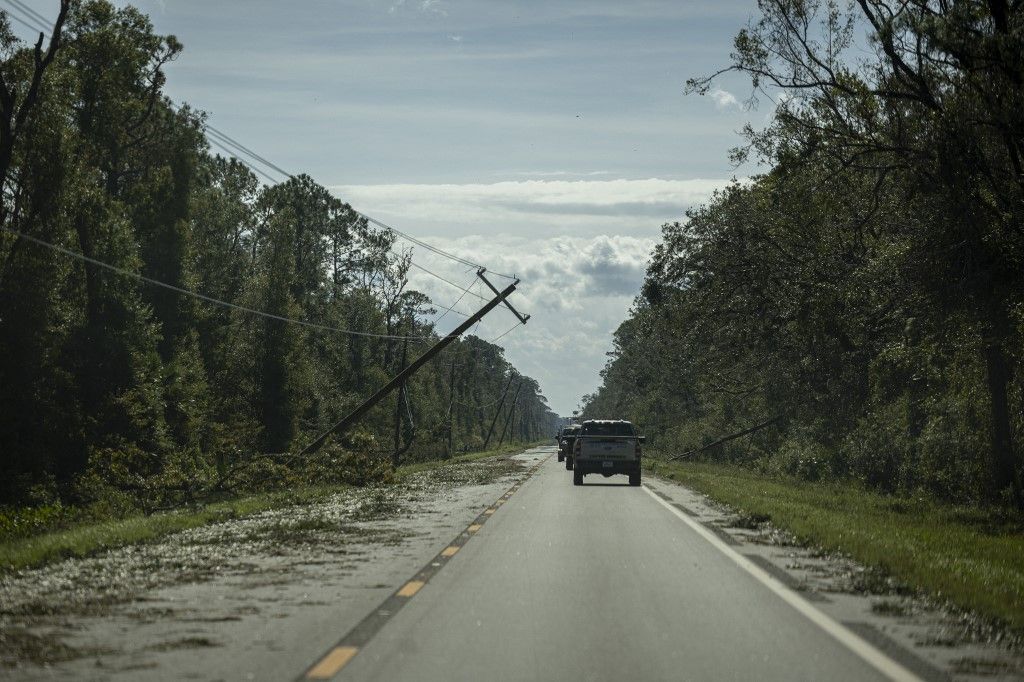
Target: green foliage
x=967 y=556
x=352 y=467
x=120 y=397
x=862 y=299
x=28 y=521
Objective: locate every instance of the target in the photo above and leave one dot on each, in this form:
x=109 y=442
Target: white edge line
x=876 y=658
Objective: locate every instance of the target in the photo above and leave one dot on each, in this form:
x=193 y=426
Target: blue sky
x=551 y=139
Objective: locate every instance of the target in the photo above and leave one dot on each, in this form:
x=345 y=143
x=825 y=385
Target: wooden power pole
x=451 y=409
x=511 y=416
x=403 y=375
x=396 y=455
x=497 y=412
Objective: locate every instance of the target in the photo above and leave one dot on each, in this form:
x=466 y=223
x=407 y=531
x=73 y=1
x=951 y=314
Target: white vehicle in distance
x=607 y=447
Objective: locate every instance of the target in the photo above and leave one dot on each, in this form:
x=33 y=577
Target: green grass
x=972 y=558
x=88 y=538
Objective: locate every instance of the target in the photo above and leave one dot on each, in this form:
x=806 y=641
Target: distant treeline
x=863 y=300
x=112 y=385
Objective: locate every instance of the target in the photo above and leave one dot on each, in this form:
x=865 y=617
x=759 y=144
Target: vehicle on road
x=566 y=442
x=606 y=447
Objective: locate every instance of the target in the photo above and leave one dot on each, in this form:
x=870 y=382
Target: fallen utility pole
x=397 y=380
x=733 y=436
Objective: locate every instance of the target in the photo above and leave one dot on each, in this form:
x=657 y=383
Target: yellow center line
x=474 y=527
x=489 y=511
x=449 y=551
x=330 y=664
x=410 y=588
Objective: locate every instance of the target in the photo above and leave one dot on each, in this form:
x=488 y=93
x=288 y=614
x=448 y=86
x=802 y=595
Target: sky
x=546 y=139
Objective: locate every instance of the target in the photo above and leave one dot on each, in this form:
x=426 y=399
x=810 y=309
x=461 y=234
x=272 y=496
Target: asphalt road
x=602 y=582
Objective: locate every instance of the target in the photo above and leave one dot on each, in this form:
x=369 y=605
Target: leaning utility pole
x=511 y=416
x=395 y=381
x=397 y=453
x=451 y=408
x=497 y=413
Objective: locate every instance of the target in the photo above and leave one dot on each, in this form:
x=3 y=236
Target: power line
x=32 y=23
x=245 y=150
x=234 y=153
x=446 y=280
x=247 y=165
x=508 y=331
x=451 y=308
x=233 y=147
x=227 y=139
x=204 y=297
x=29 y=10
x=224 y=138
x=256 y=169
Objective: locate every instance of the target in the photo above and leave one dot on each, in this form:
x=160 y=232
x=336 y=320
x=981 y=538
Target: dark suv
x=566 y=442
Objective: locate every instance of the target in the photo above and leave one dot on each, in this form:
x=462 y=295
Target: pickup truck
x=565 y=443
x=606 y=447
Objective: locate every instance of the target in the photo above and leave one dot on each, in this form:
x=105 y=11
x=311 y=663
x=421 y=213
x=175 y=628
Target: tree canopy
x=112 y=385
x=863 y=299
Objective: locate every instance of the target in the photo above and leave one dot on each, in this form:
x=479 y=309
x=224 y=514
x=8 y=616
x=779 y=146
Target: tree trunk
x=1004 y=461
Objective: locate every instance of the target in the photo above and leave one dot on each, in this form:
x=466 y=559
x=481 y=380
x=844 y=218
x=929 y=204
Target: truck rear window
x=613 y=429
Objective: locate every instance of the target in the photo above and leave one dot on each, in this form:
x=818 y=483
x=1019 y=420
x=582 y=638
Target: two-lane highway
x=601 y=582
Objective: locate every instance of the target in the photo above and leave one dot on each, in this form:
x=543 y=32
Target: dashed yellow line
x=410 y=588
x=330 y=664
x=338 y=657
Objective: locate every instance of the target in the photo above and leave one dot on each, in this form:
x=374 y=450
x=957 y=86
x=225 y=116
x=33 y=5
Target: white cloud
x=724 y=99
x=542 y=207
x=431 y=6
x=580 y=247
x=577 y=292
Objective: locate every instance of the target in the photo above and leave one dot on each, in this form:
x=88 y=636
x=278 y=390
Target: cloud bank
x=581 y=248
x=539 y=207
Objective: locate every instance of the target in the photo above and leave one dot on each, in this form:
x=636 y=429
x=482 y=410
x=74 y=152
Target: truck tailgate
x=602 y=447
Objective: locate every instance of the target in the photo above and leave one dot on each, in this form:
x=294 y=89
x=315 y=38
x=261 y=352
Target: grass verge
x=972 y=558
x=92 y=537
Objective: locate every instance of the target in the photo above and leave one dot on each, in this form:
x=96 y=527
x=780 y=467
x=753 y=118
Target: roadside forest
x=118 y=395
x=856 y=311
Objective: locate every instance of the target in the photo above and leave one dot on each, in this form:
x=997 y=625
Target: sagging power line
x=241 y=148
x=35 y=21
x=399 y=379
x=195 y=294
x=231 y=146
x=237 y=147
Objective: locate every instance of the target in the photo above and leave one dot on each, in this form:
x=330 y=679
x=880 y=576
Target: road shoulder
x=932 y=642
x=252 y=598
